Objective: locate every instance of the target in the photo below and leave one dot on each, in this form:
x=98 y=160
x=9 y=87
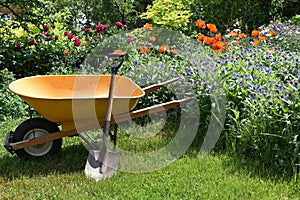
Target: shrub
x=171 y=14
x=11 y=106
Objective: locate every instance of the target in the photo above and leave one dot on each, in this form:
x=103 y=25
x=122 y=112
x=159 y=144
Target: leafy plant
x=10 y=105
x=167 y=13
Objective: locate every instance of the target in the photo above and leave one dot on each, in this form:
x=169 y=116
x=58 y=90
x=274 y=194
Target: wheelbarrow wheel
x=33 y=128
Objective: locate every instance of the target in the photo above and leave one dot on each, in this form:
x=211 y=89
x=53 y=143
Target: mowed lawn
x=190 y=177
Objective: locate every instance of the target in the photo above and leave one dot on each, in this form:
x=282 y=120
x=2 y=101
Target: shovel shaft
x=108 y=111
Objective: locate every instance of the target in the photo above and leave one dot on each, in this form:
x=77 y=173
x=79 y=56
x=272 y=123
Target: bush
x=52 y=50
x=11 y=106
x=170 y=14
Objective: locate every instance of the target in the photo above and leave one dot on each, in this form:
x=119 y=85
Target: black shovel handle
x=114 y=69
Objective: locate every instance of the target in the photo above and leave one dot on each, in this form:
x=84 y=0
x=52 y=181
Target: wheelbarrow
x=54 y=97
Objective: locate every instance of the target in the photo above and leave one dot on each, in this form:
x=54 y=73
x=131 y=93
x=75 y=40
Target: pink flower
x=119 y=24
x=70 y=35
x=56 y=37
x=66 y=33
x=88 y=30
x=129 y=40
x=125 y=26
x=101 y=27
x=46 y=27
x=31 y=42
x=77 y=42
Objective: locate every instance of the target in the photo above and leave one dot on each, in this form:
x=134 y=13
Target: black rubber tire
x=37 y=127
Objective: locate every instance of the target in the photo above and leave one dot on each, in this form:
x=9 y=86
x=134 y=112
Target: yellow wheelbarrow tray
x=55 y=97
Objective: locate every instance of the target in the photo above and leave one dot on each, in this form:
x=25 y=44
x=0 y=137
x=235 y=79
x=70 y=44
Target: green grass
x=190 y=177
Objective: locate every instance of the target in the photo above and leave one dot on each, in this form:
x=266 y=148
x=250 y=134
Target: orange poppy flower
x=152 y=38
x=272 y=33
x=242 y=35
x=233 y=34
x=255 y=33
x=164 y=49
x=238 y=42
x=148 y=27
x=256 y=42
x=218 y=37
x=217 y=45
x=201 y=38
x=212 y=28
x=144 y=50
x=208 y=40
x=200 y=24
x=66 y=52
x=263 y=38
x=174 y=52
x=226 y=45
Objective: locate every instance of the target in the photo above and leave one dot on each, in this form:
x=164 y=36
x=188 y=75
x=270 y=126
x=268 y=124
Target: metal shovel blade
x=101 y=164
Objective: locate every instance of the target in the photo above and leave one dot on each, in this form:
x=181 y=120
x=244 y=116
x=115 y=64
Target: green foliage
x=10 y=105
x=245 y=15
x=169 y=13
x=263 y=99
x=295 y=20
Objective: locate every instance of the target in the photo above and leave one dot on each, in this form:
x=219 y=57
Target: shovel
x=104 y=163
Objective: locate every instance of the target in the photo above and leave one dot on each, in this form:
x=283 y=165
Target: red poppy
x=144 y=50
x=263 y=38
x=208 y=40
x=174 y=52
x=238 y=42
x=201 y=38
x=256 y=42
x=212 y=28
x=233 y=34
x=272 y=33
x=164 y=49
x=200 y=24
x=66 y=52
x=255 y=33
x=242 y=35
x=148 y=27
x=218 y=37
x=217 y=45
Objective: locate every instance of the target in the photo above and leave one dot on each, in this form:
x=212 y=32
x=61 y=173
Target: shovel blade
x=101 y=164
